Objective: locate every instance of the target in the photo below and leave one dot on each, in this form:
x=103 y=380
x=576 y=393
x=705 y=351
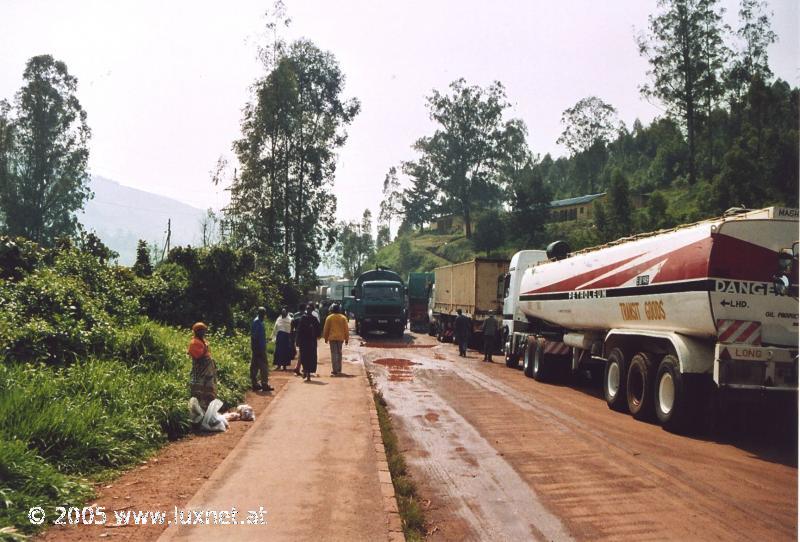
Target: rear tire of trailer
x=542 y=364
x=640 y=385
x=512 y=358
x=671 y=397
x=614 y=380
x=527 y=363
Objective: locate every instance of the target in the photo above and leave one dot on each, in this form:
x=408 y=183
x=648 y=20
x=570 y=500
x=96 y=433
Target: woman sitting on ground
x=203 y=378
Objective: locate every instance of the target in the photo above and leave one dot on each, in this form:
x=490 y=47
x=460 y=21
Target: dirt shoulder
x=168 y=479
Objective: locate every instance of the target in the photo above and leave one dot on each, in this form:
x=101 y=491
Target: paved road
x=309 y=461
x=503 y=457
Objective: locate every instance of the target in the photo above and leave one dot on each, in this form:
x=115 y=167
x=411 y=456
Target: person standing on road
x=336 y=332
x=203 y=378
x=258 y=348
x=282 y=335
x=315 y=312
x=296 y=320
x=489 y=330
x=462 y=327
x=308 y=331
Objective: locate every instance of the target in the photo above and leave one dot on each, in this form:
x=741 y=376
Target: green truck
x=419 y=288
x=379 y=302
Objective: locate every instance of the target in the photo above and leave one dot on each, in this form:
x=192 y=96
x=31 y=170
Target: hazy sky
x=164 y=83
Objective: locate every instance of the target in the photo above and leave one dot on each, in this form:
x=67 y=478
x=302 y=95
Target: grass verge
x=411 y=512
x=64 y=428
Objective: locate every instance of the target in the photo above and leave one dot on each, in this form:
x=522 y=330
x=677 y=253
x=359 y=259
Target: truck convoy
x=379 y=302
x=475 y=287
x=669 y=315
x=419 y=287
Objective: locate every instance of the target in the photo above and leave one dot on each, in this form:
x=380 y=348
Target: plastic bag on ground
x=246 y=413
x=232 y=416
x=213 y=421
x=196 y=412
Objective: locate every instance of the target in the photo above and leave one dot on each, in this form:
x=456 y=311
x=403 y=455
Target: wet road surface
x=502 y=457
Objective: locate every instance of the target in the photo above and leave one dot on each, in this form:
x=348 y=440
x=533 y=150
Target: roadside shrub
x=18 y=257
x=27 y=480
x=145 y=346
x=164 y=295
x=97 y=414
x=458 y=250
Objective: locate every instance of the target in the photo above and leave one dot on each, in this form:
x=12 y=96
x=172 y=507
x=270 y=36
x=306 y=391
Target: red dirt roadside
x=168 y=479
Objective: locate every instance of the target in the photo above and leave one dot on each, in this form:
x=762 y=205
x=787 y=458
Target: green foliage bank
x=93 y=368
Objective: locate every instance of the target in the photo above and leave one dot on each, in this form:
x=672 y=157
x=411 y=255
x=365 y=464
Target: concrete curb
x=393 y=522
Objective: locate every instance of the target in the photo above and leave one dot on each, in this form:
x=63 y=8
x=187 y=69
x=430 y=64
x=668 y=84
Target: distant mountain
x=121 y=215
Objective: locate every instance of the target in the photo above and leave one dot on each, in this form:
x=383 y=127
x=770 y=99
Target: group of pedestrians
x=462 y=329
x=299 y=335
x=292 y=335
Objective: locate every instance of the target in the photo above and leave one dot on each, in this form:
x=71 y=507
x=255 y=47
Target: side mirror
x=781 y=281
x=353 y=292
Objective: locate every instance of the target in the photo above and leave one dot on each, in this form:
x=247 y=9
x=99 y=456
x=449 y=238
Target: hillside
x=427 y=250
x=121 y=215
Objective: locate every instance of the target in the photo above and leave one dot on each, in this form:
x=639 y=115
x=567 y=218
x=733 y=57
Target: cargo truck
x=670 y=316
x=419 y=287
x=379 y=302
x=475 y=287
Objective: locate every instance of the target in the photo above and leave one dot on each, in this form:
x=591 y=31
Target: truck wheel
x=542 y=364
x=527 y=363
x=640 y=386
x=614 y=380
x=671 y=397
x=512 y=358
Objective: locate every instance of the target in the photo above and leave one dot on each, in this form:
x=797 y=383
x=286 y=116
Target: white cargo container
x=475 y=287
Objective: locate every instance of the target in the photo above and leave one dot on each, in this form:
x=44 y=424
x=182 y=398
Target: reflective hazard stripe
x=555 y=348
x=739 y=332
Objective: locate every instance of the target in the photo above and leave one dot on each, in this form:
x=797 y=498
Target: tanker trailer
x=670 y=315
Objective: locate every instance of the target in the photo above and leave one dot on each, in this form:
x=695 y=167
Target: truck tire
x=527 y=360
x=640 y=385
x=614 y=380
x=512 y=358
x=671 y=396
x=542 y=363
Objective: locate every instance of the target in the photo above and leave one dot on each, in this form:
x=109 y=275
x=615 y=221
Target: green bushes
x=60 y=423
x=27 y=480
x=87 y=382
x=218 y=285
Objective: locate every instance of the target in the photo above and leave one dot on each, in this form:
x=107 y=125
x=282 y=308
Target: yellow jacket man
x=335 y=332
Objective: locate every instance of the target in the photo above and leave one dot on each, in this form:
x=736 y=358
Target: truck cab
x=379 y=302
x=514 y=320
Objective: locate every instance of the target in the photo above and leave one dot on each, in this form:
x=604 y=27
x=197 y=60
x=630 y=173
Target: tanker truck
x=670 y=316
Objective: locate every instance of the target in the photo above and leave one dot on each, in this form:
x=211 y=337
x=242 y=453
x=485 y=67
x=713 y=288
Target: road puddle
x=395 y=345
x=399 y=369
